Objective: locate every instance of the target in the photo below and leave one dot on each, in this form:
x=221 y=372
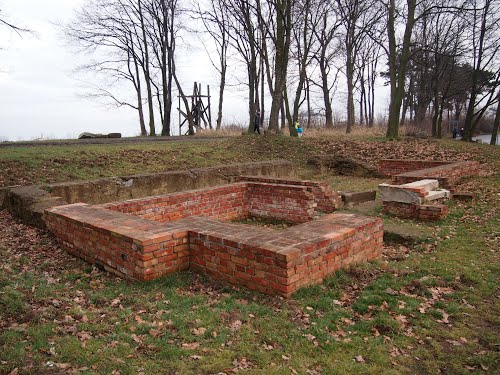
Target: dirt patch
x=343 y=166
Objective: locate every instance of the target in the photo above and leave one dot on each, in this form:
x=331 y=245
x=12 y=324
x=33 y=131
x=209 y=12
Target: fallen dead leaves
x=37 y=247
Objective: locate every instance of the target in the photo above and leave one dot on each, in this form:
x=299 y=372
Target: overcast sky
x=39 y=90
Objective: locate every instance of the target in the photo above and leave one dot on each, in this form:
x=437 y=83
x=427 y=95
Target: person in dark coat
x=256 y=128
x=455 y=133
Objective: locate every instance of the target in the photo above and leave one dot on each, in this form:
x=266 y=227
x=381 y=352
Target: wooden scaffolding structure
x=201 y=111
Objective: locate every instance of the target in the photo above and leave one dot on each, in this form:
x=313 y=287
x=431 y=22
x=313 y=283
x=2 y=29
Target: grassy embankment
x=427 y=307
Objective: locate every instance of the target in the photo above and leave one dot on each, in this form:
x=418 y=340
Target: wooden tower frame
x=201 y=111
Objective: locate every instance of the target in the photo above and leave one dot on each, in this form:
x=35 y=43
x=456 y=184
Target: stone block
x=357 y=197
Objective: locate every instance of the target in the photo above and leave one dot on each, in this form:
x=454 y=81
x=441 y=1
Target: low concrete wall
x=28 y=202
x=139 y=186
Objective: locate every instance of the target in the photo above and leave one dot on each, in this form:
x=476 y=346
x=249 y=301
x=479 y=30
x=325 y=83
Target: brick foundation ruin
x=415 y=200
x=417 y=186
x=446 y=172
x=147 y=238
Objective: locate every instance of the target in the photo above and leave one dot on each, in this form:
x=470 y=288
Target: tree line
x=436 y=56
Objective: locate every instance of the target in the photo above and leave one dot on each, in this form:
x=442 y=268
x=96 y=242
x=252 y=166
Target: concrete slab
x=437 y=194
x=394 y=193
x=427 y=185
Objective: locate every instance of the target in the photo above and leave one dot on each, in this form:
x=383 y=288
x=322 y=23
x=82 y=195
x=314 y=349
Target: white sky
x=39 y=90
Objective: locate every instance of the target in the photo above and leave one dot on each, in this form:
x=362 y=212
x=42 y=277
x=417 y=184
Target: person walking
x=256 y=128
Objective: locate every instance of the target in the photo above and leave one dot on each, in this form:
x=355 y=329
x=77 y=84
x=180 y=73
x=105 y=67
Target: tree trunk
x=403 y=112
x=137 y=84
x=435 y=116
x=291 y=125
x=397 y=69
x=283 y=115
x=371 y=89
x=252 y=73
x=440 y=120
x=139 y=105
x=494 y=134
x=350 y=92
x=302 y=65
x=326 y=92
x=221 y=96
x=308 y=95
x=283 y=30
x=145 y=67
x=469 y=123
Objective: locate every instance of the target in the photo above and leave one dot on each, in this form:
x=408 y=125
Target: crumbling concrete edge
x=28 y=202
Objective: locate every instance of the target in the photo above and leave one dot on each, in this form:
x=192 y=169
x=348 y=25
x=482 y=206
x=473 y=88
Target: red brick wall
x=414 y=211
x=224 y=203
x=326 y=199
x=447 y=172
x=296 y=203
x=283 y=202
x=432 y=212
x=264 y=266
x=392 y=167
x=343 y=247
x=123 y=245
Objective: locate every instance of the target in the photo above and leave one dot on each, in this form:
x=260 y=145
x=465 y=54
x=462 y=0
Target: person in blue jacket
x=299 y=129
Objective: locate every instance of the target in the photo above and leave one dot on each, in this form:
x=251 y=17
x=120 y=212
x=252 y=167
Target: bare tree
x=446 y=50
x=243 y=25
x=19 y=30
x=357 y=17
x=146 y=64
x=325 y=53
x=280 y=33
x=367 y=69
x=134 y=41
x=106 y=30
x=307 y=19
x=398 y=57
x=215 y=21
x=484 y=23
x=163 y=36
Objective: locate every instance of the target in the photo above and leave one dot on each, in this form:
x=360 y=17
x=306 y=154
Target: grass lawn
x=429 y=307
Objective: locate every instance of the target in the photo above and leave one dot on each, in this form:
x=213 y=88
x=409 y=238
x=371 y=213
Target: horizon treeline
x=437 y=57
